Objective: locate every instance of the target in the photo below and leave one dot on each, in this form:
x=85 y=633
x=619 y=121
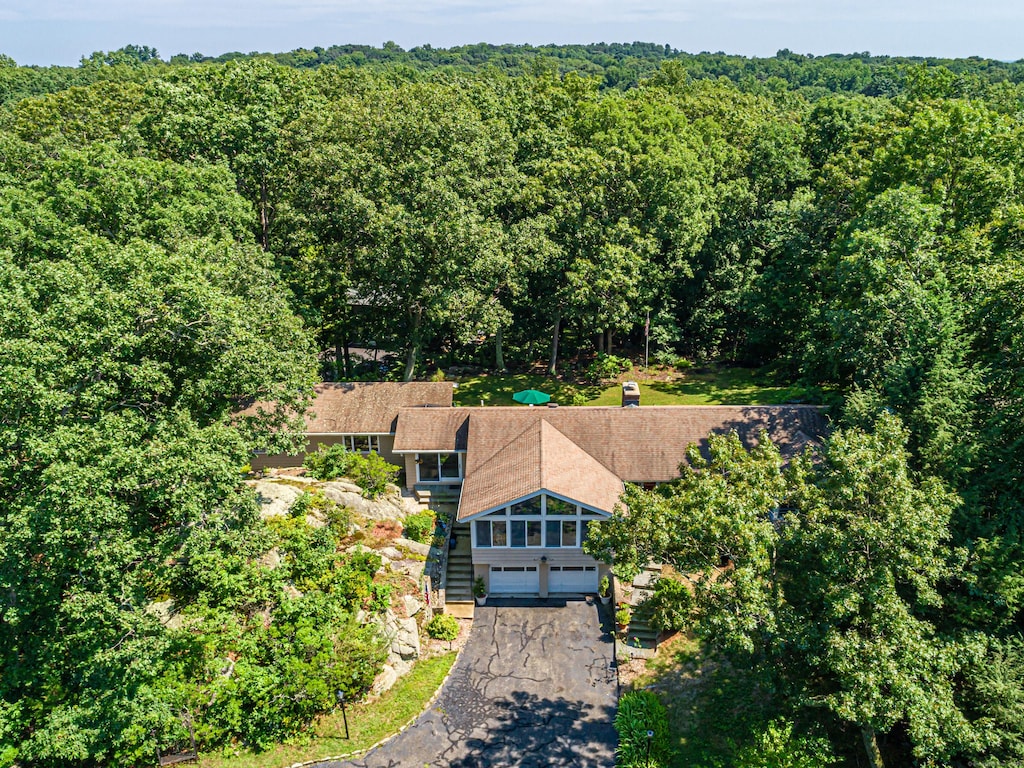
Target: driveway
x=534 y=686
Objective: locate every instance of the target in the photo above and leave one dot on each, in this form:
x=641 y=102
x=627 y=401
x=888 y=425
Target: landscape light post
x=650 y=738
x=344 y=716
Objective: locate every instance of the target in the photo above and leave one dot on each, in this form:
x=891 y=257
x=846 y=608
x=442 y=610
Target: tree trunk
x=339 y=370
x=499 y=355
x=552 y=363
x=608 y=346
x=416 y=316
x=264 y=218
x=871 y=747
x=347 y=357
x=600 y=342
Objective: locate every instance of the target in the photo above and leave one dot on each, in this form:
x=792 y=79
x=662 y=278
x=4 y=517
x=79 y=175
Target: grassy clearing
x=720 y=385
x=714 y=708
x=368 y=722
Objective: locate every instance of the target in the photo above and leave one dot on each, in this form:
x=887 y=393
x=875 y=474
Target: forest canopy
x=178 y=239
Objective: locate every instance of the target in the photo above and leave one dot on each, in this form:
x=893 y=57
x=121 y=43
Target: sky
x=62 y=31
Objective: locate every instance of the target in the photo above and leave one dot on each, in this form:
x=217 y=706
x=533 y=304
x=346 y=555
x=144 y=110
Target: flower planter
x=481 y=599
x=605 y=599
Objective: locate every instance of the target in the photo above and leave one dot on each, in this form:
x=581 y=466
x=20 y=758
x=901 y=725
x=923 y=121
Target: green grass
x=713 y=707
x=368 y=722
x=712 y=386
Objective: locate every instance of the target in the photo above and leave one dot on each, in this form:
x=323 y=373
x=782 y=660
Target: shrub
x=443 y=627
x=380 y=597
x=778 y=747
x=329 y=462
x=623 y=615
x=670 y=605
x=607 y=367
x=419 y=527
x=670 y=359
x=373 y=474
x=640 y=712
x=369 y=472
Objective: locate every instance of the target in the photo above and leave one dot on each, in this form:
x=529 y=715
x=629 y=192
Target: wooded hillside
x=179 y=239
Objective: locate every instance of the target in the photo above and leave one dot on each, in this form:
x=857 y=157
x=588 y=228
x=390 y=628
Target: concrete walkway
x=535 y=686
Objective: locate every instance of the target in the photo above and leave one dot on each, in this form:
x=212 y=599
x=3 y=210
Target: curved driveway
x=534 y=686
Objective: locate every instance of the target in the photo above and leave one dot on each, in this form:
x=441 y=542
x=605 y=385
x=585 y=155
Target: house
x=361 y=415
x=528 y=481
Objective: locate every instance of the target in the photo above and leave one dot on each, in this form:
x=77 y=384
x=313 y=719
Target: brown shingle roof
x=540 y=457
x=644 y=444
x=432 y=429
x=365 y=407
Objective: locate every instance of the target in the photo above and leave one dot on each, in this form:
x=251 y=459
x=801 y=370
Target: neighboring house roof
x=644 y=444
x=539 y=458
x=368 y=407
x=440 y=430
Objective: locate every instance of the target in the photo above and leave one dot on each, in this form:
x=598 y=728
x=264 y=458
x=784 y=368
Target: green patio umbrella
x=531 y=397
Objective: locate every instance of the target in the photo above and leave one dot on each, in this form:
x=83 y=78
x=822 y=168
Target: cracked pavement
x=534 y=686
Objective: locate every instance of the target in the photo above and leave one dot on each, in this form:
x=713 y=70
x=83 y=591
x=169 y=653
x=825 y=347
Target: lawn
x=714 y=709
x=368 y=722
x=719 y=385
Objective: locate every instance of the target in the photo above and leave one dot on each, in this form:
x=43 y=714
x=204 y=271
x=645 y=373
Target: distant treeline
x=616 y=65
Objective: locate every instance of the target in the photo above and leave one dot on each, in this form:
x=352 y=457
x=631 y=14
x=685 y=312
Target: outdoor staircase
x=641 y=638
x=459 y=581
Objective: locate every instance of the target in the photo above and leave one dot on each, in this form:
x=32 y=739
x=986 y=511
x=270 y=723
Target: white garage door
x=515 y=580
x=572 y=578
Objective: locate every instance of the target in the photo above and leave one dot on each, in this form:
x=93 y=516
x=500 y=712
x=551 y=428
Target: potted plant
x=604 y=590
x=622 y=616
x=480 y=590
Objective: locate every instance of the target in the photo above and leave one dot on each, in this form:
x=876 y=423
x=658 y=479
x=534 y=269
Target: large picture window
x=540 y=521
x=438 y=467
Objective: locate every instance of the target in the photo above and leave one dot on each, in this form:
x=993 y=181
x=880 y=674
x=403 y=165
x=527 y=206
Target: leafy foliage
x=419 y=527
x=443 y=627
x=640 y=712
x=370 y=472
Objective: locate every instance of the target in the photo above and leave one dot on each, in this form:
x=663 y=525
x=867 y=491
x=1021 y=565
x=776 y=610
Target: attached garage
x=572 y=578
x=515 y=580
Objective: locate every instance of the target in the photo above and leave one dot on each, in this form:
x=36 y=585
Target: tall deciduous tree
x=826 y=571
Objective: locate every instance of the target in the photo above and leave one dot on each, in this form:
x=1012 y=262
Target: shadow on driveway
x=534 y=686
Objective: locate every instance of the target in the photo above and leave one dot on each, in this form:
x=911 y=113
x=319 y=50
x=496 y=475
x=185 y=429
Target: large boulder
x=275 y=499
x=413 y=546
x=403 y=636
x=385 y=680
x=388 y=507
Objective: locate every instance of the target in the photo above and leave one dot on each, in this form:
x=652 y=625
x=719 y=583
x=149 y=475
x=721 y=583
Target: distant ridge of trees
x=616 y=65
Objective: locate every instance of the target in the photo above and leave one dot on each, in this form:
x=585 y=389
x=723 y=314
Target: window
x=523 y=525
x=498 y=536
x=517 y=533
x=528 y=507
x=483 y=533
x=428 y=467
x=449 y=466
x=568 y=533
x=561 y=508
x=553 y=533
x=361 y=443
x=436 y=467
x=533 y=533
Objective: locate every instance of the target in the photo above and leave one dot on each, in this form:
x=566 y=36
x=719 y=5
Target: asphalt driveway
x=534 y=686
